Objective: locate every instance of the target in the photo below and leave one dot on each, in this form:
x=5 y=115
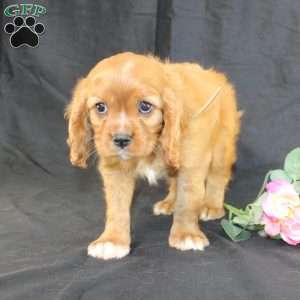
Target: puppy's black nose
x=122 y=140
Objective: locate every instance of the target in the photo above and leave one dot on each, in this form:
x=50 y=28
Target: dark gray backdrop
x=50 y=211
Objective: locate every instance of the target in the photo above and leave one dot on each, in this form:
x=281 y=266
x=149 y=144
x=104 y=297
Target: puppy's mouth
x=123 y=154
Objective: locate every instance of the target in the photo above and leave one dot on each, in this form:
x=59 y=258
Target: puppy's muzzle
x=122 y=140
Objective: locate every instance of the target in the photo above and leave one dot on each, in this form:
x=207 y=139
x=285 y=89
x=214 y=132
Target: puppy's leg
x=185 y=232
x=218 y=178
x=114 y=242
x=166 y=206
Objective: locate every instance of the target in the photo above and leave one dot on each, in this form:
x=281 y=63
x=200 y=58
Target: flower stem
x=233 y=210
x=263 y=185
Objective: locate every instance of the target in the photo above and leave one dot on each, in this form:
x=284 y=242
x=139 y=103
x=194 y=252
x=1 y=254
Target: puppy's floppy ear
x=171 y=133
x=79 y=129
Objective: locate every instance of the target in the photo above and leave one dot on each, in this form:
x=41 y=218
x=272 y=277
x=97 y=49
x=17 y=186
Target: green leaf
x=243 y=221
x=256 y=211
x=296 y=185
x=231 y=230
x=251 y=221
x=292 y=164
x=280 y=174
x=234 y=232
x=255 y=227
x=234 y=210
x=255 y=215
x=243 y=236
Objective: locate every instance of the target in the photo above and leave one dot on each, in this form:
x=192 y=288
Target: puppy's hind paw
x=164 y=207
x=208 y=213
x=107 y=250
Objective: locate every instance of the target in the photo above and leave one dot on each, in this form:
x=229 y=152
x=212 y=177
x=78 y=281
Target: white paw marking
x=208 y=214
x=204 y=215
x=158 y=209
x=107 y=250
x=191 y=244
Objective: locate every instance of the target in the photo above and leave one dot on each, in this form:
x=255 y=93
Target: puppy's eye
x=145 y=107
x=101 y=107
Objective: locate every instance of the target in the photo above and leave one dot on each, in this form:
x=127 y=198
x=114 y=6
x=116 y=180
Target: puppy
x=155 y=119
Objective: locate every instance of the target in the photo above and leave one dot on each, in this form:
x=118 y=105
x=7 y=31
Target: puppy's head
x=126 y=108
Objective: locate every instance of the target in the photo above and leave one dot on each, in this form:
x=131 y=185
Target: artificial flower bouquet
x=276 y=211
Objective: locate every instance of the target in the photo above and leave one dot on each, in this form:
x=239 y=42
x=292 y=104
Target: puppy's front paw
x=208 y=213
x=164 y=207
x=188 y=241
x=106 y=249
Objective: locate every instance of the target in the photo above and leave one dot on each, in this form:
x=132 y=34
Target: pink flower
x=272 y=226
x=281 y=211
x=290 y=231
x=280 y=186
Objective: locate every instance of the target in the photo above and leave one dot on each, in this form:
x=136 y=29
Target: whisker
x=89 y=140
x=92 y=152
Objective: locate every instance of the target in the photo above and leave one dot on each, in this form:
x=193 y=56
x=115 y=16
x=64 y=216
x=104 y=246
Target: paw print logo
x=24 y=32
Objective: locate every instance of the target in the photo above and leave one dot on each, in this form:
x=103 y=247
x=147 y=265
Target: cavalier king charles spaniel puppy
x=154 y=119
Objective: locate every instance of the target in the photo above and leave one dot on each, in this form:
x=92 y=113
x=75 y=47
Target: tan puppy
x=155 y=119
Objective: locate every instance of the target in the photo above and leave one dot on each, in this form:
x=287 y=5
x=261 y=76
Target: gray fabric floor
x=50 y=211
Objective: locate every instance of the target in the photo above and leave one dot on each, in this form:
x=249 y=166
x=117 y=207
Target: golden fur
x=195 y=152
